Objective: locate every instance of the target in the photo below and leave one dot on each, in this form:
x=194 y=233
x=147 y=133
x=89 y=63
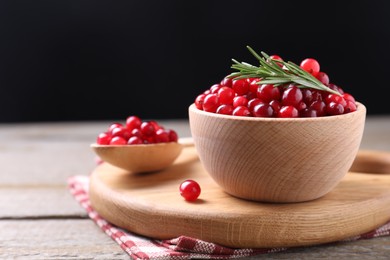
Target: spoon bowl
x=143 y=157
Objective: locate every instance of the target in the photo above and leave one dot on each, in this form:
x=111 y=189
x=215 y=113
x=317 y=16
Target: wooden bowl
x=277 y=159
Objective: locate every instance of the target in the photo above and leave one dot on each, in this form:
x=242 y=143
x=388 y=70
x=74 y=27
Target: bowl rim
x=360 y=108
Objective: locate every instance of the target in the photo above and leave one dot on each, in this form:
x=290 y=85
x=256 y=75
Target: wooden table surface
x=39 y=219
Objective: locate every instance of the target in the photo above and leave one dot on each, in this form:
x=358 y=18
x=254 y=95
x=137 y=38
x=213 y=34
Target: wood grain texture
x=274 y=159
x=139 y=158
x=38 y=201
x=56 y=239
x=150 y=204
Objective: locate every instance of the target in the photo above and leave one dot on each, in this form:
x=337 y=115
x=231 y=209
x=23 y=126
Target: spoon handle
x=370 y=161
x=186 y=141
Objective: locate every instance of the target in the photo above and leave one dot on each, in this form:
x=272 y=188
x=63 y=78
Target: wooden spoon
x=144 y=157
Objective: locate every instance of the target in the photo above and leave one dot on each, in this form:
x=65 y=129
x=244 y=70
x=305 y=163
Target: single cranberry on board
x=290 y=90
x=189 y=190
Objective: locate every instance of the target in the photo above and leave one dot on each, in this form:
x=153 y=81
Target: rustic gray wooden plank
x=56 y=239
x=377 y=133
x=38 y=202
x=82 y=239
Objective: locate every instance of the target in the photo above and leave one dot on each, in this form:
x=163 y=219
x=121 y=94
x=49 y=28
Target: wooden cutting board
x=151 y=205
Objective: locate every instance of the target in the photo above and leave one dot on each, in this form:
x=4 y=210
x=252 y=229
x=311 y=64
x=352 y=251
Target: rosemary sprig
x=271 y=73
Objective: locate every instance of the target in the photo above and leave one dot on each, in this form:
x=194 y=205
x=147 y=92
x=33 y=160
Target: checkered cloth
x=139 y=247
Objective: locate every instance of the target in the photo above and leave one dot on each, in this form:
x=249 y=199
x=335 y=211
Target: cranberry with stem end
x=319 y=107
x=310 y=65
x=323 y=77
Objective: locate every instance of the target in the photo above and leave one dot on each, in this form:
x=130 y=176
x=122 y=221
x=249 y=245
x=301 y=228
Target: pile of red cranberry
x=248 y=97
x=135 y=131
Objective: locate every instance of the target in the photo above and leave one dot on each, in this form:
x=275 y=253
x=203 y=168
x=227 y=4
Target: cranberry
x=199 y=101
x=336 y=88
x=114 y=125
x=301 y=106
x=147 y=128
x=133 y=122
x=348 y=97
x=335 y=98
x=137 y=132
x=240 y=101
x=308 y=112
x=190 y=190
x=211 y=103
x=215 y=88
x=319 y=107
x=253 y=102
x=268 y=92
x=350 y=107
x=226 y=82
x=254 y=85
x=323 y=77
x=103 y=138
x=241 y=111
x=161 y=136
x=240 y=86
x=122 y=132
x=263 y=110
x=310 y=65
x=288 y=111
x=226 y=95
x=277 y=57
x=117 y=140
x=307 y=96
x=292 y=96
x=334 y=108
x=173 y=137
x=225 y=109
x=135 y=140
x=275 y=104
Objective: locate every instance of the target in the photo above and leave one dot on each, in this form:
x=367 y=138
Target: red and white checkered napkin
x=139 y=247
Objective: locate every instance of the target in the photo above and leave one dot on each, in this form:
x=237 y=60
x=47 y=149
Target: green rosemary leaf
x=275 y=81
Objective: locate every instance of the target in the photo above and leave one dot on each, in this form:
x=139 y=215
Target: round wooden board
x=151 y=205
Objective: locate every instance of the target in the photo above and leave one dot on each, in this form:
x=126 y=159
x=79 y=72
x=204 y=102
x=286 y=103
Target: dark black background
x=96 y=60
